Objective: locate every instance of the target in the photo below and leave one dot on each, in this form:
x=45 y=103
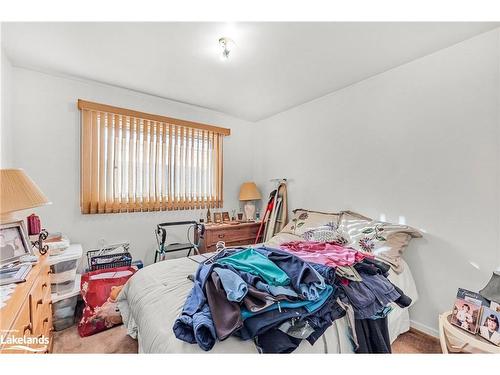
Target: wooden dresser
x=232 y=235
x=28 y=313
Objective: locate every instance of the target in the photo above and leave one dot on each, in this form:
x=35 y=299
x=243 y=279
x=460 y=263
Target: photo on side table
x=489 y=327
x=217 y=217
x=466 y=315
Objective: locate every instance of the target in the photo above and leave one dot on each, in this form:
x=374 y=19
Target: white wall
x=47 y=145
x=419 y=141
x=6 y=128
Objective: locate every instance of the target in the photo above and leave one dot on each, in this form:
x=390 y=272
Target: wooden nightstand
x=456 y=340
x=232 y=235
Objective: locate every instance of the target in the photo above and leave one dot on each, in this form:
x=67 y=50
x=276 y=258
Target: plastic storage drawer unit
x=63 y=307
x=63 y=269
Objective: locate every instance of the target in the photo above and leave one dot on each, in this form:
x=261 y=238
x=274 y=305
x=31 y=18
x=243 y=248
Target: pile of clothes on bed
x=279 y=297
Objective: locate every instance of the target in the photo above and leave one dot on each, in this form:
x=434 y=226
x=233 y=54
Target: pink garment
x=326 y=253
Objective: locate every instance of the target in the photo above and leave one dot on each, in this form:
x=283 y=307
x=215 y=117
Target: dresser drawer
x=28 y=313
x=22 y=327
x=40 y=300
x=43 y=328
x=41 y=287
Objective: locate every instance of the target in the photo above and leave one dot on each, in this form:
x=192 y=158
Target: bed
x=153 y=298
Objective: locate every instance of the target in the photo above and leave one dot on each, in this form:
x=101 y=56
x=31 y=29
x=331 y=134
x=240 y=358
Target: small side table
x=456 y=340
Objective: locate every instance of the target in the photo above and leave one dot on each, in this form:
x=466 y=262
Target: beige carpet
x=116 y=340
x=416 y=342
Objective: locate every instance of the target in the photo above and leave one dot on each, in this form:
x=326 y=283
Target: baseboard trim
x=424 y=329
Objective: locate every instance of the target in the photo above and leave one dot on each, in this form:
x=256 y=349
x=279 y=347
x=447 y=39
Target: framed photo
x=225 y=217
x=240 y=216
x=473 y=297
x=466 y=315
x=217 y=217
x=14 y=242
x=489 y=327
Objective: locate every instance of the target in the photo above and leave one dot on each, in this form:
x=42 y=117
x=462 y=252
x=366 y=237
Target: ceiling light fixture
x=226 y=44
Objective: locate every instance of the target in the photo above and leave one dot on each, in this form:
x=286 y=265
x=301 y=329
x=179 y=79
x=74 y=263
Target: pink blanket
x=326 y=253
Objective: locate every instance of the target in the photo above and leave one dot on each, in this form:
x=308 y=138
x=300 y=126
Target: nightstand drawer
x=235 y=234
x=231 y=235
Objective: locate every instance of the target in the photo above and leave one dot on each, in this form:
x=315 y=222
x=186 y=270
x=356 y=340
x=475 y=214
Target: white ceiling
x=275 y=66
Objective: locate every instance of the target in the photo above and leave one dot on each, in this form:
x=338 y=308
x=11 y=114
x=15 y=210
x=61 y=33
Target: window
x=134 y=161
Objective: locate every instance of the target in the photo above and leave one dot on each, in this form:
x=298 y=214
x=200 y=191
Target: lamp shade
x=18 y=192
x=492 y=290
x=249 y=192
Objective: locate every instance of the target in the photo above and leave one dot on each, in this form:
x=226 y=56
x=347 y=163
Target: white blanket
x=153 y=298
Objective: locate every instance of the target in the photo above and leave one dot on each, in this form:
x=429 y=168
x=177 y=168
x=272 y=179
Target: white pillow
x=305 y=220
x=384 y=240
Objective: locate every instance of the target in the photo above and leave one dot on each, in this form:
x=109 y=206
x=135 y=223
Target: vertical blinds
x=134 y=161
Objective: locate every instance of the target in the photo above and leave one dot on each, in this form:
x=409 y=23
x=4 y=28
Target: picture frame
x=217 y=217
x=14 y=242
x=466 y=315
x=489 y=326
x=225 y=217
x=473 y=297
x=240 y=216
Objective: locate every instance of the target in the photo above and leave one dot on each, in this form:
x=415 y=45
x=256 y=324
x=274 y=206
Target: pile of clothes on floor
x=279 y=297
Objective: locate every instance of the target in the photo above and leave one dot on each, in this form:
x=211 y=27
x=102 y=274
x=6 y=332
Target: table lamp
x=18 y=192
x=249 y=193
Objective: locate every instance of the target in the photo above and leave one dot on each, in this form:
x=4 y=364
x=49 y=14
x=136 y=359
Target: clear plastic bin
x=64 y=267
x=64 y=323
x=64 y=306
x=63 y=288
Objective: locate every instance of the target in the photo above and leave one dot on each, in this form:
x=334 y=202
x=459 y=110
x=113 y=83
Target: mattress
x=153 y=298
